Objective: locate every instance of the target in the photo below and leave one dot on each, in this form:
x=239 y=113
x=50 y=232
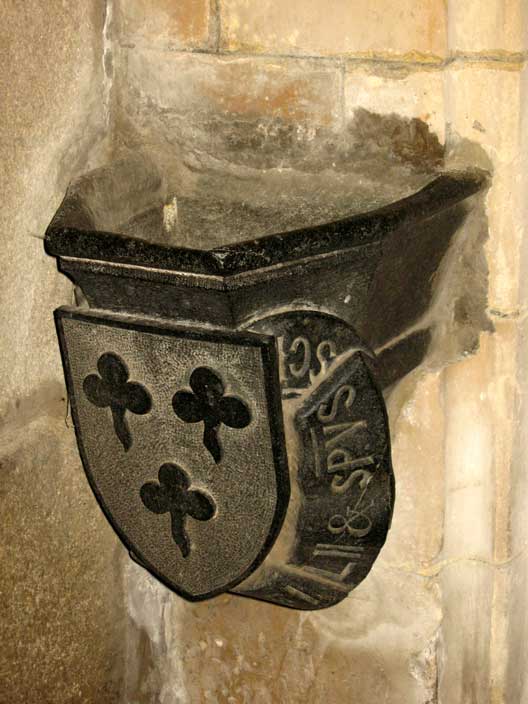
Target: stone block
x=492 y=138
x=467 y=589
x=491 y=27
x=29 y=354
x=407 y=92
x=480 y=397
x=480 y=405
x=66 y=52
x=379 y=28
x=60 y=624
x=417 y=428
x=183 y=24
x=187 y=108
x=232 y=87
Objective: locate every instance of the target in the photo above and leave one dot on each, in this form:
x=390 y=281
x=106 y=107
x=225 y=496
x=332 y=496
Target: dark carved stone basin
x=131 y=243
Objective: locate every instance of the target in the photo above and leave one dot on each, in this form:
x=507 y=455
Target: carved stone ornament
x=227 y=402
x=200 y=522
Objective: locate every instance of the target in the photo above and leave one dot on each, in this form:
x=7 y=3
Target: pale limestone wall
x=515 y=626
x=442 y=617
x=60 y=592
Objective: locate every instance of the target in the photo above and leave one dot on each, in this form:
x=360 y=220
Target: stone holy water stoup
x=227 y=399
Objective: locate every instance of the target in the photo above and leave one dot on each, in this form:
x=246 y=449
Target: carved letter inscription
x=343 y=460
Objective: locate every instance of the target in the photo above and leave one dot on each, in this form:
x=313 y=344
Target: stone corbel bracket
x=227 y=402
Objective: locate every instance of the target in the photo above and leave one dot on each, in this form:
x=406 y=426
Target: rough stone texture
x=197 y=111
x=41 y=149
x=183 y=24
x=338 y=27
x=254 y=129
x=237 y=650
x=61 y=626
x=60 y=615
x=202 y=100
x=201 y=85
x=405 y=91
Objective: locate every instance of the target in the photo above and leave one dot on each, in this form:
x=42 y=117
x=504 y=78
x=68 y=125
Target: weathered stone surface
x=479 y=398
x=405 y=92
x=41 y=149
x=415 y=406
x=380 y=643
x=377 y=28
x=60 y=619
x=491 y=27
x=61 y=598
x=180 y=24
x=256 y=129
x=195 y=111
x=467 y=589
x=200 y=85
x=492 y=138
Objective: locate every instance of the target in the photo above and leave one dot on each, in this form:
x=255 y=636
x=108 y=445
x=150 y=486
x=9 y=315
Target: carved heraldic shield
x=181 y=436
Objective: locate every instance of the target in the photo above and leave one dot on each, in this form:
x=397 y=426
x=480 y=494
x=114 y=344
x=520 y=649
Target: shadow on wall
x=445 y=261
x=428 y=299
x=442 y=263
